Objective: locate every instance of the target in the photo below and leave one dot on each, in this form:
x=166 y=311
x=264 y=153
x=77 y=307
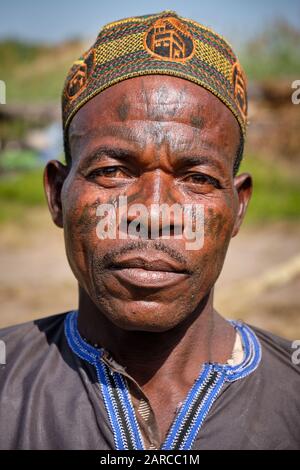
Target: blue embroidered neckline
x=189 y=419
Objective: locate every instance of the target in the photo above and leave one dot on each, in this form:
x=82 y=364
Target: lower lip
x=151 y=279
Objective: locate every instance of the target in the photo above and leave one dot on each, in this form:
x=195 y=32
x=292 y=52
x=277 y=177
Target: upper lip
x=150 y=264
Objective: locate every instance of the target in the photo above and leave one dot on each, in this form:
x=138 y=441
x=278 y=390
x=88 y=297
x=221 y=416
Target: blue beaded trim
x=196 y=406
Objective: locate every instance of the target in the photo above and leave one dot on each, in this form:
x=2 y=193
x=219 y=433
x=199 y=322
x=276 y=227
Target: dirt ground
x=260 y=282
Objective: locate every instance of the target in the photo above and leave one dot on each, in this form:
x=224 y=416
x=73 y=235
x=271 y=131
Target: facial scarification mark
x=197 y=121
x=162 y=96
x=87 y=220
x=159 y=137
x=144 y=95
x=219 y=223
x=123 y=110
x=214 y=223
x=113 y=200
x=180 y=102
x=167 y=103
x=209 y=221
x=131 y=198
x=163 y=103
x=228 y=199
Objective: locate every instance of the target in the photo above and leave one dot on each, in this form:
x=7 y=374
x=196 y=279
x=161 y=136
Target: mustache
x=112 y=256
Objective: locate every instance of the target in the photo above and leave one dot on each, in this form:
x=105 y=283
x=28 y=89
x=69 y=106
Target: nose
x=155 y=206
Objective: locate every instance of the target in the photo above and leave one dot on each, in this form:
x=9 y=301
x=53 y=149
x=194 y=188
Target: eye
x=201 y=179
x=109 y=172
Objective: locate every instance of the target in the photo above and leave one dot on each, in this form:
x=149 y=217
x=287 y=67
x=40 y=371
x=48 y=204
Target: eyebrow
x=190 y=161
x=113 y=152
x=121 y=154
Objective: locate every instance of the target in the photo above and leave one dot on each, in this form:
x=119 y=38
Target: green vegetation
x=276 y=194
x=36 y=73
x=19 y=193
x=11 y=160
x=273 y=54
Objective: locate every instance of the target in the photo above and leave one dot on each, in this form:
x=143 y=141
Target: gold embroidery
x=239 y=86
x=78 y=82
x=169 y=39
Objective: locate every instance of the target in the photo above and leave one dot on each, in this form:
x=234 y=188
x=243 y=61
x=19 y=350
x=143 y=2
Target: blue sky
x=55 y=20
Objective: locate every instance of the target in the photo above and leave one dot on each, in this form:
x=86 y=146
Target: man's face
x=155 y=140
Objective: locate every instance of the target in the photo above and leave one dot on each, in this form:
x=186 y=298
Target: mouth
x=148 y=273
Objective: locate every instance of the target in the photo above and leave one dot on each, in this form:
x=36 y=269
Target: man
x=153 y=114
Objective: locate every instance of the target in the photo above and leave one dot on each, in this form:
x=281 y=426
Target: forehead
x=140 y=103
x=156 y=97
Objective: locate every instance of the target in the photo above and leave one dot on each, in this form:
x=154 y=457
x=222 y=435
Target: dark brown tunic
x=51 y=399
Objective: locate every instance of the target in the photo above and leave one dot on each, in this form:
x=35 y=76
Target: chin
x=144 y=316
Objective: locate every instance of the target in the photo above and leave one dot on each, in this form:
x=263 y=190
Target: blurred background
x=39 y=41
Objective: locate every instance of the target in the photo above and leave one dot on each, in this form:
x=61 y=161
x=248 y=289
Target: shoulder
x=30 y=340
x=38 y=377
x=277 y=352
x=32 y=328
x=278 y=373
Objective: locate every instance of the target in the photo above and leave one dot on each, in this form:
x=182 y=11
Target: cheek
x=79 y=216
x=218 y=226
x=219 y=223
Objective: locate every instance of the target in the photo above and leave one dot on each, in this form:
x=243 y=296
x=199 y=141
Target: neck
x=178 y=353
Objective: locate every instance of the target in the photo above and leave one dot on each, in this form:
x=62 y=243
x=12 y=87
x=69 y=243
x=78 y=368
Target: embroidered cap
x=163 y=44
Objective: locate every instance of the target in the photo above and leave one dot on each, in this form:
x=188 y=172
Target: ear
x=55 y=174
x=243 y=186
